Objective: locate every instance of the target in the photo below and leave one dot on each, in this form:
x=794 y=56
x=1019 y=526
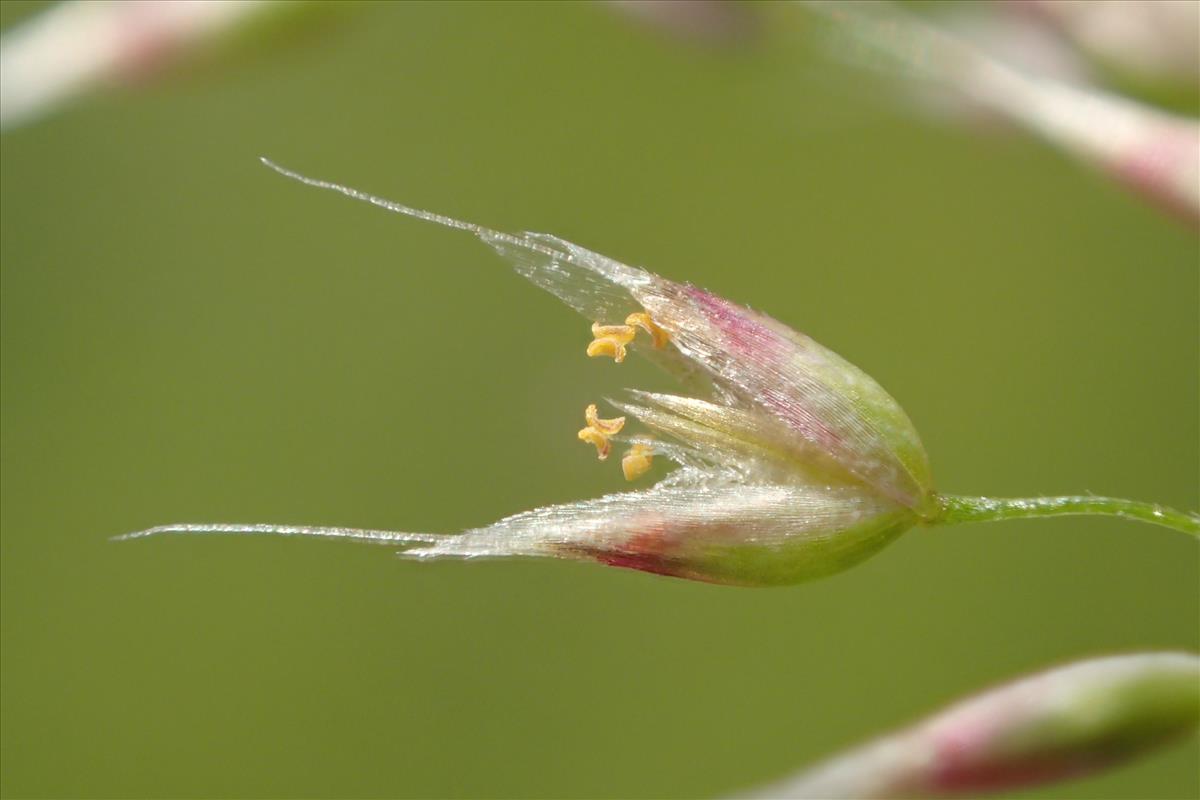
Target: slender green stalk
x=955 y=508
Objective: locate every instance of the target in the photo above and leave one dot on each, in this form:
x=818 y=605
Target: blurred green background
x=189 y=337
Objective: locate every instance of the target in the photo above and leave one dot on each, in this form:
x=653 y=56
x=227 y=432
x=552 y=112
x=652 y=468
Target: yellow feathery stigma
x=598 y=430
x=642 y=320
x=610 y=340
x=637 y=461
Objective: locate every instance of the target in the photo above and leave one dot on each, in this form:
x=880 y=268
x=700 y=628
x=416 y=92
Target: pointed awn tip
x=357 y=534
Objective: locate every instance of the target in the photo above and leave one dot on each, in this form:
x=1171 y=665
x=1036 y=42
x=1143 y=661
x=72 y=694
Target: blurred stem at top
x=1154 y=152
x=71 y=48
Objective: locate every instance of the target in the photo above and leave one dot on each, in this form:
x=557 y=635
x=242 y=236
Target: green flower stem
x=954 y=508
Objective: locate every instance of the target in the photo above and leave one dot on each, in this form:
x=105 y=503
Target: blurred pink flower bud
x=1058 y=724
x=710 y=21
